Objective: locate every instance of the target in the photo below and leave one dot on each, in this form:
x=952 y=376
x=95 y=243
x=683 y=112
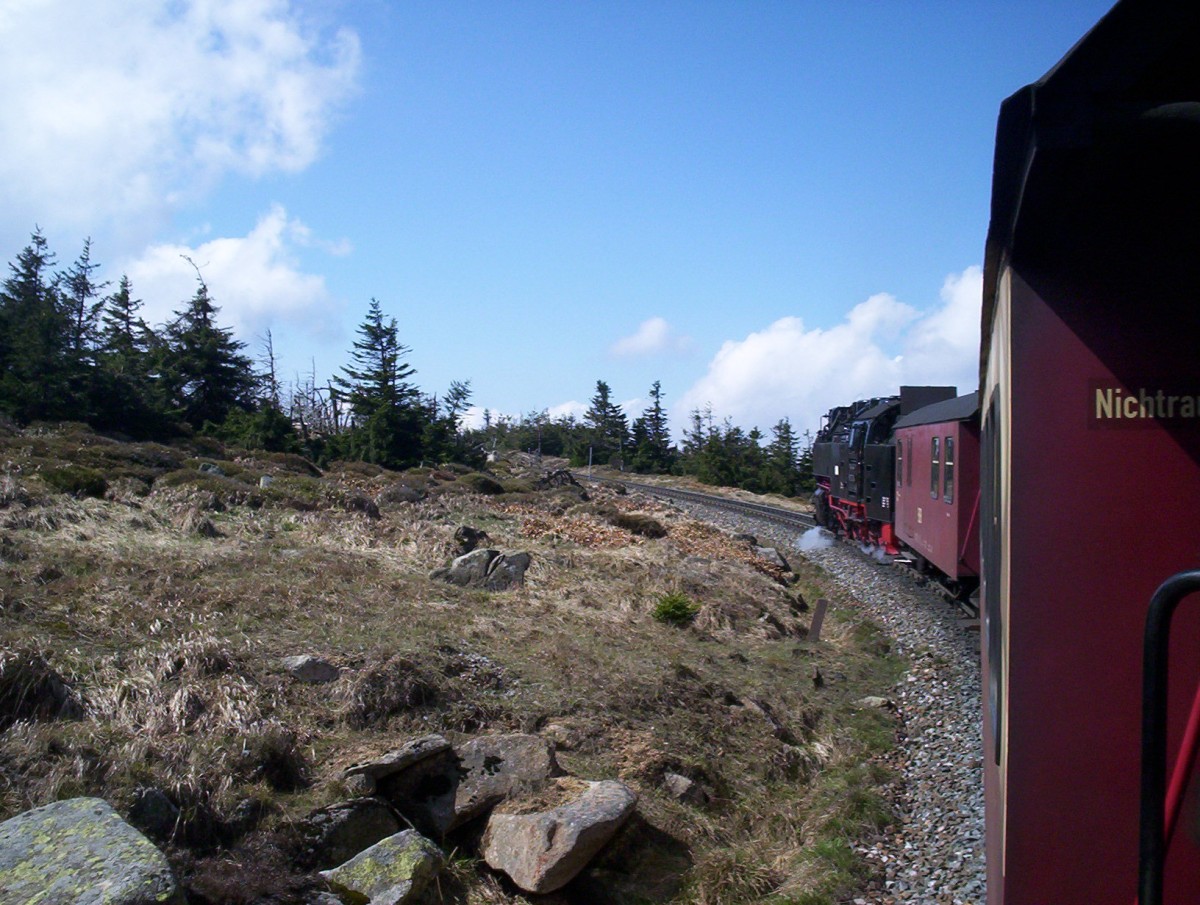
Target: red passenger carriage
x=937 y=489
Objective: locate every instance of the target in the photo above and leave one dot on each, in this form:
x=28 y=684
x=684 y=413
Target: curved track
x=786 y=517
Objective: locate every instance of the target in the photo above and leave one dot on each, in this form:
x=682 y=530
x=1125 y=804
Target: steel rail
x=786 y=517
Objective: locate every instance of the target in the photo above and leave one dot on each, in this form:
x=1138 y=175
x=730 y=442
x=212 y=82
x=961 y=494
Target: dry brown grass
x=168 y=641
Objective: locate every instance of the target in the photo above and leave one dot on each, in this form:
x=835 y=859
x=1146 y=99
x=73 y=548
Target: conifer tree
x=34 y=374
x=204 y=373
x=82 y=305
x=782 y=473
x=651 y=437
x=608 y=427
x=386 y=410
x=125 y=338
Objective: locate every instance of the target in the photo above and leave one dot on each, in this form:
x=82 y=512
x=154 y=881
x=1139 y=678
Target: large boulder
x=543 y=851
x=496 y=767
x=442 y=792
x=393 y=871
x=81 y=851
x=335 y=834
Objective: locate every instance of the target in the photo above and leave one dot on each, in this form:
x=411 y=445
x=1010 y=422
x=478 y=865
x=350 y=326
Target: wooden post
x=814 y=629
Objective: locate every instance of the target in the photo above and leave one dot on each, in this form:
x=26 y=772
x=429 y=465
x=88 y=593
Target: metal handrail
x=1154 y=828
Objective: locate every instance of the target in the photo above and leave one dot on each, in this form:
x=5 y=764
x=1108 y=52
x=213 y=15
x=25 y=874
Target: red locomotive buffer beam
x=850 y=520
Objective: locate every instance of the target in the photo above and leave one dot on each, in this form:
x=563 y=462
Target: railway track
x=779 y=516
x=787 y=518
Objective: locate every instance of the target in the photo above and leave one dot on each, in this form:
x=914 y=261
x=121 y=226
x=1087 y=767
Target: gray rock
x=683 y=789
x=496 y=767
x=470 y=569
x=313 y=670
x=398 y=494
x=81 y=851
x=507 y=571
x=446 y=790
x=154 y=813
x=394 y=871
x=544 y=851
x=359 y=785
x=424 y=792
x=322 y=897
x=875 y=702
x=266 y=481
x=401 y=758
x=563 y=736
x=486 y=568
x=335 y=834
x=210 y=468
x=773 y=556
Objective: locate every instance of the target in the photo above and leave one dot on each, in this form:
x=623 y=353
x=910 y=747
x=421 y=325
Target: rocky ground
x=935 y=854
x=206 y=641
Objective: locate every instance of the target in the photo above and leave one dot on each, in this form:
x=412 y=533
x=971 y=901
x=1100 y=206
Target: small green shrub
x=675 y=608
x=76 y=480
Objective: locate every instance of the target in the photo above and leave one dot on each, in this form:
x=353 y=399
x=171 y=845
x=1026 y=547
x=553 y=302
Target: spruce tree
x=35 y=375
x=782 y=473
x=608 y=427
x=82 y=305
x=122 y=392
x=204 y=374
x=125 y=338
x=386 y=413
x=651 y=437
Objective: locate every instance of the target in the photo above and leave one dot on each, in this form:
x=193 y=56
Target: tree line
x=75 y=349
x=718 y=454
x=71 y=350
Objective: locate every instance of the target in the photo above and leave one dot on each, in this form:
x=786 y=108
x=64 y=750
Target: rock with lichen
x=81 y=851
x=393 y=871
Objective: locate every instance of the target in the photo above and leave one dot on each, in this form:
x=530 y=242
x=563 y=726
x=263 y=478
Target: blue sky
x=770 y=207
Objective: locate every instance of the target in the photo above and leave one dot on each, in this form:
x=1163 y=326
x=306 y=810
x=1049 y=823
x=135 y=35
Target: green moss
x=76 y=480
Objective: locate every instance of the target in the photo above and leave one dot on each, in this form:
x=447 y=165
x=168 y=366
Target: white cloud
x=653 y=336
x=120 y=109
x=790 y=370
x=563 y=409
x=255 y=280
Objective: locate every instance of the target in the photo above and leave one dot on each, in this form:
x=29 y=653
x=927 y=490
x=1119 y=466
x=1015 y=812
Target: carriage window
x=935 y=469
x=948 y=489
x=910 y=461
x=899 y=466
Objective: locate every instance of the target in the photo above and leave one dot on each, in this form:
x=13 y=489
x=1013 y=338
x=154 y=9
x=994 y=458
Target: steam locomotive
x=901 y=473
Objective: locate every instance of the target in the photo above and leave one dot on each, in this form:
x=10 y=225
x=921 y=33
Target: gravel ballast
x=935 y=853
